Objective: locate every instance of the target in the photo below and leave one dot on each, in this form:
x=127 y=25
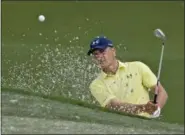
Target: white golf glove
x=156 y=113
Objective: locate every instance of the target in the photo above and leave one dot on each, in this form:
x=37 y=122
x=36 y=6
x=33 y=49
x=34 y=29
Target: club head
x=159 y=34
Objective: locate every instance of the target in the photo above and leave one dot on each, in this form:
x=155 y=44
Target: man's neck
x=112 y=68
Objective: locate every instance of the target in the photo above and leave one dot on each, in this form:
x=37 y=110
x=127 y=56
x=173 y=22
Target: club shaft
x=159 y=73
x=160 y=63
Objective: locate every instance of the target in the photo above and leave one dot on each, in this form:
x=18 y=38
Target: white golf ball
x=41 y=18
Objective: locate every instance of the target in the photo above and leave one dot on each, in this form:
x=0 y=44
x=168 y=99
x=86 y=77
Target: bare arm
x=162 y=95
x=117 y=105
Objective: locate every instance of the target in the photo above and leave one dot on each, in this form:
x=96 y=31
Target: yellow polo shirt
x=130 y=84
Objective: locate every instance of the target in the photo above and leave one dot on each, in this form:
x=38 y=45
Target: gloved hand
x=156 y=113
x=153 y=109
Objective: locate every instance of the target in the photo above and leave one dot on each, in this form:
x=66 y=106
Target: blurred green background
x=65 y=35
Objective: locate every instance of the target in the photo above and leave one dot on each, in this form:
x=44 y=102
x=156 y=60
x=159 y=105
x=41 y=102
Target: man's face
x=104 y=57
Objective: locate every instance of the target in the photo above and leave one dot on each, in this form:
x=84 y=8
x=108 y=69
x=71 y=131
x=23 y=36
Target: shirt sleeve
x=100 y=92
x=149 y=79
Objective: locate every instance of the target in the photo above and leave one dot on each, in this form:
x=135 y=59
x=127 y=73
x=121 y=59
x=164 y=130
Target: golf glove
x=156 y=113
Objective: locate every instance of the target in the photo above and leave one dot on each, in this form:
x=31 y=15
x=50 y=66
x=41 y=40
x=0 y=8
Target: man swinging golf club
x=124 y=86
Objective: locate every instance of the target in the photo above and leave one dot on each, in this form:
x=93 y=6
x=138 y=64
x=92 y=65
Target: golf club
x=159 y=34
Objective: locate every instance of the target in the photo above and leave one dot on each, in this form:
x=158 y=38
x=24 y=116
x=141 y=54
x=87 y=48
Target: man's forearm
x=126 y=107
x=162 y=97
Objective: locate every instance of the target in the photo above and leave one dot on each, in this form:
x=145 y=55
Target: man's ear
x=114 y=51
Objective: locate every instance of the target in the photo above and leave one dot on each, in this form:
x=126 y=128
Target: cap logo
x=95 y=42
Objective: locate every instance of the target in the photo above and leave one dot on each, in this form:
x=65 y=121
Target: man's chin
x=103 y=66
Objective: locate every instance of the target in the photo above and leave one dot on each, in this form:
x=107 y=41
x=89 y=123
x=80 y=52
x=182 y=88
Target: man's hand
x=150 y=108
x=153 y=109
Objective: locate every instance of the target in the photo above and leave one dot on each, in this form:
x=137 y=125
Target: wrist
x=158 y=105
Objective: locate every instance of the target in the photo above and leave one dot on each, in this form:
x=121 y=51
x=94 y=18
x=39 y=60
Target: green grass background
x=129 y=23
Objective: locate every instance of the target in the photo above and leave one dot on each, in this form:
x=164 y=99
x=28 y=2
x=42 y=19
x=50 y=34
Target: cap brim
x=93 y=49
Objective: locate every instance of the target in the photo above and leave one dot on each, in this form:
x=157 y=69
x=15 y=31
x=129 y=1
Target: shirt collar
x=120 y=66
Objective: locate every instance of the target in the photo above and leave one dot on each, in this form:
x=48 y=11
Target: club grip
x=155 y=99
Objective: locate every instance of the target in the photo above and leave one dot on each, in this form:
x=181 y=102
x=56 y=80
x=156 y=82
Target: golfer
x=124 y=86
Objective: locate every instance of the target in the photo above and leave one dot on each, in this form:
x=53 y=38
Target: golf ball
x=41 y=18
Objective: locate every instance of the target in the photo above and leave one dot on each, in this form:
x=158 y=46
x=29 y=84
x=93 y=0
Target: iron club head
x=159 y=34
